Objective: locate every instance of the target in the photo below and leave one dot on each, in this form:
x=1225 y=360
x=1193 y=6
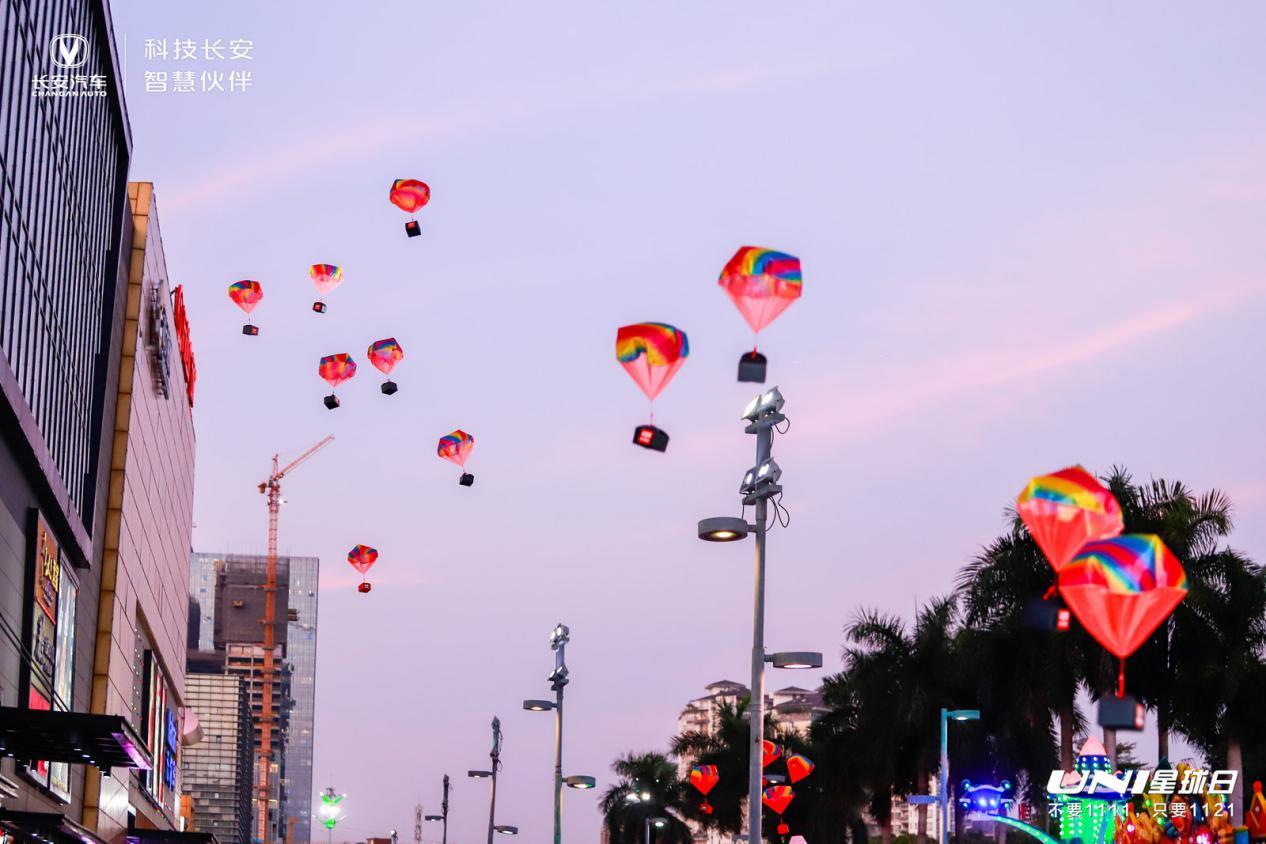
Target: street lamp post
x=760 y=483
x=946 y=716
x=495 y=755
x=444 y=812
x=558 y=640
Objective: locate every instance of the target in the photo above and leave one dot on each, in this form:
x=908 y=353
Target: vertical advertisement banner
x=64 y=675
x=45 y=585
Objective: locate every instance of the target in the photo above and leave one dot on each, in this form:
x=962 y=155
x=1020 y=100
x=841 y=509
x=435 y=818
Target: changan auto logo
x=69 y=51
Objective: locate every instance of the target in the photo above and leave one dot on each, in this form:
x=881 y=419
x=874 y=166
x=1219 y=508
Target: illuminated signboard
x=50 y=681
x=181 y=317
x=158 y=726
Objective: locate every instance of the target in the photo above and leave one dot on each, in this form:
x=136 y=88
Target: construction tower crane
x=272 y=488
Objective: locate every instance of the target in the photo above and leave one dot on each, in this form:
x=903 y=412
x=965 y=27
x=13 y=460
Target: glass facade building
x=211 y=578
x=215 y=772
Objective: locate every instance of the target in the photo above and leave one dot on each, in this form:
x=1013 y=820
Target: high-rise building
x=228 y=589
x=139 y=671
x=215 y=772
x=301 y=644
x=65 y=239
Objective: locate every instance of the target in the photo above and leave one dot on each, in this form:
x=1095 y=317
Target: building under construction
x=230 y=593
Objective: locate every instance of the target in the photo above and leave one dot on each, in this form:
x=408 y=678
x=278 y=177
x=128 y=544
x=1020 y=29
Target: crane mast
x=272 y=488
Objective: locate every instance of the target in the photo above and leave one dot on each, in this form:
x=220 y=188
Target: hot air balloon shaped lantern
x=704 y=778
x=651 y=353
x=362 y=557
x=798 y=767
x=325 y=277
x=770 y=752
x=1121 y=589
x=455 y=448
x=246 y=295
x=1066 y=509
x=762 y=283
x=384 y=355
x=777 y=798
x=410 y=195
x=335 y=369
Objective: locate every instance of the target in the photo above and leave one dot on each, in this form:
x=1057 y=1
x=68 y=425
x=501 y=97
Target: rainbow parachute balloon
x=246 y=295
x=325 y=277
x=361 y=558
x=798 y=767
x=778 y=798
x=384 y=355
x=651 y=353
x=762 y=283
x=409 y=195
x=704 y=778
x=336 y=369
x=455 y=448
x=1066 y=509
x=1121 y=589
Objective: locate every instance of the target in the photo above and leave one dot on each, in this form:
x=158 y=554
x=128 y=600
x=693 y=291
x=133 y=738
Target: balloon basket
x=751 y=367
x=1048 y=616
x=783 y=829
x=331 y=401
x=413 y=227
x=467 y=479
x=1121 y=713
x=250 y=330
x=364 y=587
x=389 y=388
x=319 y=307
x=648 y=436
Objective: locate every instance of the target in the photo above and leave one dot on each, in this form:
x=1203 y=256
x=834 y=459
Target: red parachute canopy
x=798 y=767
x=385 y=354
x=769 y=752
x=778 y=798
x=704 y=777
x=1121 y=589
x=409 y=195
x=362 y=557
x=336 y=369
x=325 y=277
x=455 y=447
x=1065 y=510
x=651 y=352
x=246 y=294
x=762 y=283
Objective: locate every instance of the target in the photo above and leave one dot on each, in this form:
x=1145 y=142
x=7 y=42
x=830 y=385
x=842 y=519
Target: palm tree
x=648 y=788
x=900 y=679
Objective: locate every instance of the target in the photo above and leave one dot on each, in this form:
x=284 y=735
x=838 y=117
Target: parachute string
x=1120 y=677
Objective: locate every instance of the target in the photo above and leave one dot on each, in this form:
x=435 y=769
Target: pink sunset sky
x=1031 y=236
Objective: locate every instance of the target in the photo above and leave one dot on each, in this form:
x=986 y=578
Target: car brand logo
x=69 y=51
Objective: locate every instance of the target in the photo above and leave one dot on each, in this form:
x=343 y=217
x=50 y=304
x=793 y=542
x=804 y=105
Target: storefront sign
x=160 y=342
x=181 y=318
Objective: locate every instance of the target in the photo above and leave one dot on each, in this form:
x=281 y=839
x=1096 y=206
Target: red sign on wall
x=181 y=318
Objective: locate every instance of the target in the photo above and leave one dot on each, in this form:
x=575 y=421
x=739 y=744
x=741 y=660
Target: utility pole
x=496 y=763
x=558 y=679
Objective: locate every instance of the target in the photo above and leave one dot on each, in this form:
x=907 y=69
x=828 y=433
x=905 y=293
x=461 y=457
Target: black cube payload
x=331 y=401
x=1051 y=616
x=319 y=307
x=752 y=367
x=413 y=227
x=364 y=586
x=389 y=388
x=467 y=479
x=648 y=436
x=250 y=330
x=1121 y=713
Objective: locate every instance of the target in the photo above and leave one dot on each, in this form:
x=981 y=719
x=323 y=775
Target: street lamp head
x=964 y=714
x=658 y=822
x=538 y=705
x=580 y=781
x=506 y=829
x=795 y=659
x=434 y=817
x=479 y=775
x=723 y=529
